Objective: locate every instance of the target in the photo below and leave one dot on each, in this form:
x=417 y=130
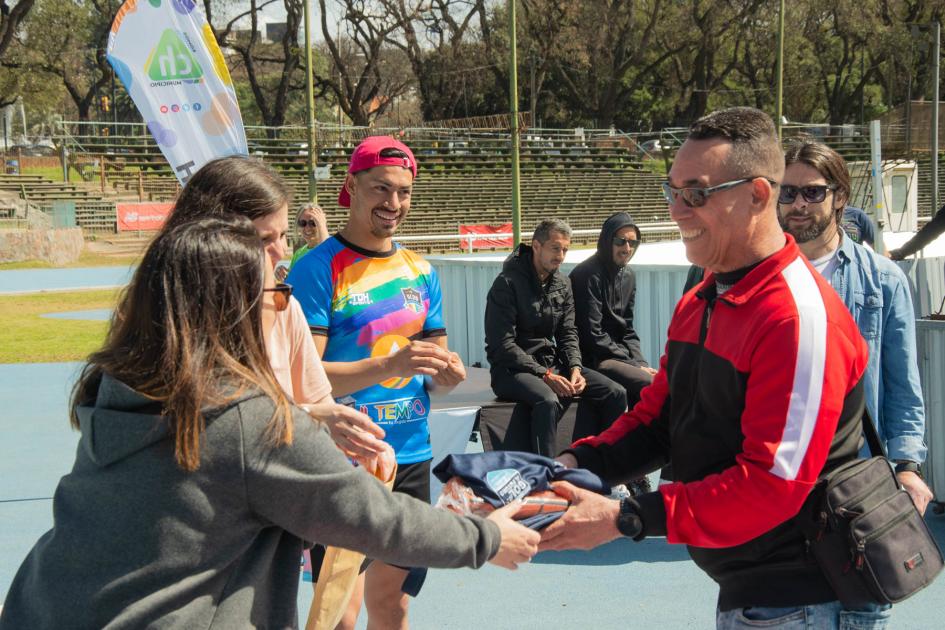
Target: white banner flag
x=165 y=54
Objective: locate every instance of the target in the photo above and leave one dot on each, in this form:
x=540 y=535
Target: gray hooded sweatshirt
x=139 y=542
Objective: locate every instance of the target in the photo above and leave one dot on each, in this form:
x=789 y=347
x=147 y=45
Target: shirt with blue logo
x=371 y=304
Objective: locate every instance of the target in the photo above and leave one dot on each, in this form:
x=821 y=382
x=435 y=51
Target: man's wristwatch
x=628 y=519
x=904 y=465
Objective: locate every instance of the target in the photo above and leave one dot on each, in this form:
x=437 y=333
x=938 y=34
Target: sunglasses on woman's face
x=281 y=294
x=307 y=223
x=620 y=242
x=811 y=194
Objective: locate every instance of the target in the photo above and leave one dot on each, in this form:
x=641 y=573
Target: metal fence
x=465 y=281
x=94 y=217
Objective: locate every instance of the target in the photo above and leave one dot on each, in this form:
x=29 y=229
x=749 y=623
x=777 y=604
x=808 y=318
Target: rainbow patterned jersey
x=371 y=304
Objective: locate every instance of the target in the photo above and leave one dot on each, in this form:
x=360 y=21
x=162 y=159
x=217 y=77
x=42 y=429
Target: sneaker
x=639 y=486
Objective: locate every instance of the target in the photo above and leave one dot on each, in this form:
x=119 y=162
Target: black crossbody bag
x=866 y=533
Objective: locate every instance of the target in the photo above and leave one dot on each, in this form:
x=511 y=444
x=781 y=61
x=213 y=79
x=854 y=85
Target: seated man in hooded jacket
x=604 y=292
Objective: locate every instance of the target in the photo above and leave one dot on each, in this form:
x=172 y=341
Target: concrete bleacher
x=441 y=203
x=463 y=178
x=93 y=213
x=38 y=189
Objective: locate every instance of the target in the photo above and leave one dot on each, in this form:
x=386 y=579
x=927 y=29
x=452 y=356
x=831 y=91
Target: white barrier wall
x=931 y=343
x=927 y=279
x=466 y=281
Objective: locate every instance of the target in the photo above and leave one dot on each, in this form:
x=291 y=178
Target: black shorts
x=412 y=480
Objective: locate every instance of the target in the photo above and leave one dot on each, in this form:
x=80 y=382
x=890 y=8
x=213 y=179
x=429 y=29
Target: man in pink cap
x=375 y=311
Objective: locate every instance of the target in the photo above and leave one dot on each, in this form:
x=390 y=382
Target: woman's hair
x=187 y=331
x=305 y=208
x=235 y=184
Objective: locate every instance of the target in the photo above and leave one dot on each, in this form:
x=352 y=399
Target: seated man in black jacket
x=532 y=343
x=604 y=293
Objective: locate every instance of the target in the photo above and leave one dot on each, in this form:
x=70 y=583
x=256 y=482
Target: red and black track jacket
x=758 y=391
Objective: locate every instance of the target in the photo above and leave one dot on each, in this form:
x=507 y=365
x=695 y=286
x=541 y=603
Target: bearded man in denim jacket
x=813 y=194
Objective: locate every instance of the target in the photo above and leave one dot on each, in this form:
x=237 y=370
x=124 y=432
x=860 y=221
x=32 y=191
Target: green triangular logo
x=171 y=59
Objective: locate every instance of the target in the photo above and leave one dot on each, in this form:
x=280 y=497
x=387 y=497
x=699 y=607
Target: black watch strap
x=629 y=522
x=907 y=466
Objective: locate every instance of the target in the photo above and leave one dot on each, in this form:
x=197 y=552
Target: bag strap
x=872 y=437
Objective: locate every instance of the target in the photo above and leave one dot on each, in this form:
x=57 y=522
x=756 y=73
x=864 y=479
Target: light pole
x=779 y=107
x=937 y=53
x=114 y=93
x=310 y=106
x=513 y=107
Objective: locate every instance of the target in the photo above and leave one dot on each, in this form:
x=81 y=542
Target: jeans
x=827 y=616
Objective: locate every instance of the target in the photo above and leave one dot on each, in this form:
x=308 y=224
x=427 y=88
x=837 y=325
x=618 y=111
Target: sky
x=275 y=12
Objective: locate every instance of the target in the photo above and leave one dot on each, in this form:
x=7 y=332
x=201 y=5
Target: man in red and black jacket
x=758 y=392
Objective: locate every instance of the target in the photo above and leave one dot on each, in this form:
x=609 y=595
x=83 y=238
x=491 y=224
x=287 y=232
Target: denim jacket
x=877 y=293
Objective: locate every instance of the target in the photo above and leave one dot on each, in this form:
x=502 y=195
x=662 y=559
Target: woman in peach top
x=246 y=186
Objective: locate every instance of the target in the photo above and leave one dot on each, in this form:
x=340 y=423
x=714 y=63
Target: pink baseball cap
x=368 y=155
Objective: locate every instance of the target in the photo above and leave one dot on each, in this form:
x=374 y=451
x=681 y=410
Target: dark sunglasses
x=282 y=293
x=697 y=197
x=304 y=223
x=811 y=194
x=620 y=242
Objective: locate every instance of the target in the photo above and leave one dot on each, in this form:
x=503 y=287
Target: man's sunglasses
x=811 y=194
x=304 y=223
x=282 y=292
x=697 y=197
x=620 y=242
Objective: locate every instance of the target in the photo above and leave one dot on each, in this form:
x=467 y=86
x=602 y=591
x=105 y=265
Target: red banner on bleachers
x=134 y=217
x=484 y=243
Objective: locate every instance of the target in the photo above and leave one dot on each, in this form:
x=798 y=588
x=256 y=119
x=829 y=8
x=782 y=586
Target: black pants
x=632 y=378
x=601 y=402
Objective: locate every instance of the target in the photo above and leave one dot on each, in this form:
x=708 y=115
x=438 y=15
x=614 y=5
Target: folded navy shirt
x=501 y=477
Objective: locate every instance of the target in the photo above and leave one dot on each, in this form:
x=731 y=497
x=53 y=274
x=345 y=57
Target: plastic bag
x=459 y=498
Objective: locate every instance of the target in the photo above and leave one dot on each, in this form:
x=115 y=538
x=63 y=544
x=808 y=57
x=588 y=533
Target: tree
x=367 y=73
x=11 y=15
x=712 y=33
x=272 y=70
x=442 y=44
x=842 y=50
x=67 y=39
x=907 y=70
x=607 y=56
x=13 y=85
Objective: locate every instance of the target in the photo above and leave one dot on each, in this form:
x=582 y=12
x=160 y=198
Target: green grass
x=51 y=172
x=86 y=259
x=653 y=165
x=25 y=337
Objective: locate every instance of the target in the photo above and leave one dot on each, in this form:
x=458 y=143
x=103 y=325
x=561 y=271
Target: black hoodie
x=530 y=325
x=604 y=295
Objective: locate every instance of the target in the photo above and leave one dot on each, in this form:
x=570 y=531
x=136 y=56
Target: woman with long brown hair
x=196 y=481
x=248 y=187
